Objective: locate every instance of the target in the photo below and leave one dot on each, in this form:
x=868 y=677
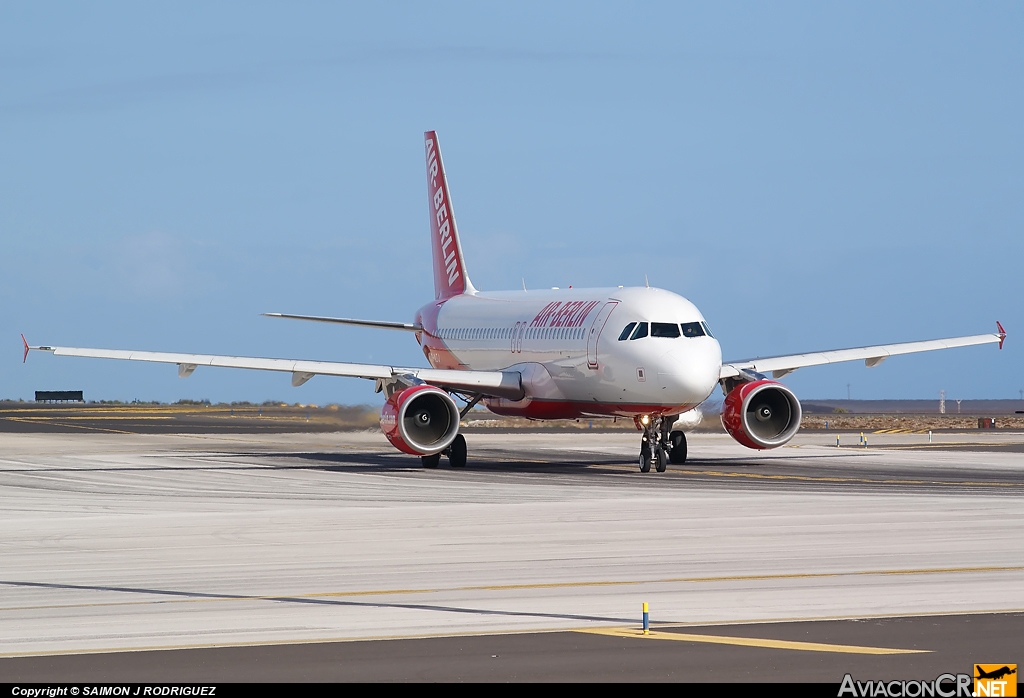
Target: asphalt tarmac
x=330 y=556
x=917 y=648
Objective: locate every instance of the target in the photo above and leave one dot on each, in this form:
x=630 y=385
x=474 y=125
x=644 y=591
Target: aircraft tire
x=645 y=458
x=431 y=461
x=662 y=463
x=457 y=452
x=678 y=453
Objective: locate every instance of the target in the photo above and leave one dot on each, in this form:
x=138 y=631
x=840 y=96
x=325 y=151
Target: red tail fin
x=450 y=277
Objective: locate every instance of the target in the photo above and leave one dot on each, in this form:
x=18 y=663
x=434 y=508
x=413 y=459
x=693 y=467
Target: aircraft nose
x=692 y=371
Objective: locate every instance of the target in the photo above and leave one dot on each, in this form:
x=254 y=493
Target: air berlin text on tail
x=446 y=252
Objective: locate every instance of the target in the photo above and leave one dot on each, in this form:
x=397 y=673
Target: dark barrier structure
x=59 y=396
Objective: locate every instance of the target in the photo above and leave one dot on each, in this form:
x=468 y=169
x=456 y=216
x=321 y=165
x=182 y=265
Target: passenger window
x=692 y=329
x=664 y=329
x=626 y=330
x=640 y=331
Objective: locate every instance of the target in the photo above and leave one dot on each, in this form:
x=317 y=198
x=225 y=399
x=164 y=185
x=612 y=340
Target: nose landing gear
x=658 y=447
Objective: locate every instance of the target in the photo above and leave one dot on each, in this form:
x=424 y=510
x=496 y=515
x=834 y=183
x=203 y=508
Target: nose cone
x=690 y=370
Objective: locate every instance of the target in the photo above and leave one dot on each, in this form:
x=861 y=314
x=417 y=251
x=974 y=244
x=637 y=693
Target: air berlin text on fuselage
x=563 y=314
x=441 y=219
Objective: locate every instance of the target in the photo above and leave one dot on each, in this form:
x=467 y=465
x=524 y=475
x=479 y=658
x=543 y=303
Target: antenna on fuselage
x=646 y=282
x=524 y=283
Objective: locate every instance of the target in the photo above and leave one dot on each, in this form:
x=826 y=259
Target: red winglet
x=25 y=342
x=1002 y=333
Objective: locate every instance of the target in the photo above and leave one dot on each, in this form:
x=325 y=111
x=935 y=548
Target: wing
x=379 y=324
x=781 y=365
x=507 y=384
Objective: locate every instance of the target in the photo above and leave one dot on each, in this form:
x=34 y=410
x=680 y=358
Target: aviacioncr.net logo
x=943 y=686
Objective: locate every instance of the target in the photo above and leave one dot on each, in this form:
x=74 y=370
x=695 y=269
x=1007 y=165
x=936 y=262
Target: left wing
x=781 y=365
x=507 y=384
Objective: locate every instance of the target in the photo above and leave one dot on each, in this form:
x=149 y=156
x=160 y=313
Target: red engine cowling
x=421 y=420
x=761 y=414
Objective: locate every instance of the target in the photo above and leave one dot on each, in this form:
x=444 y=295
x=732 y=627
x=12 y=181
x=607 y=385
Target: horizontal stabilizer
x=379 y=324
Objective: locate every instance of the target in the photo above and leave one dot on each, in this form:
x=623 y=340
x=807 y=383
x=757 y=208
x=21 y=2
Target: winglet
x=1001 y=333
x=24 y=341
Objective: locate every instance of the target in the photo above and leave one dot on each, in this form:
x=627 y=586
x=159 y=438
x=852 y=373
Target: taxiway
x=120 y=542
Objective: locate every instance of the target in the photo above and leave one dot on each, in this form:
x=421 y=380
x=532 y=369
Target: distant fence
x=59 y=396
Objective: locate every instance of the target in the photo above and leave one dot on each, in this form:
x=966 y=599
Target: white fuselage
x=566 y=344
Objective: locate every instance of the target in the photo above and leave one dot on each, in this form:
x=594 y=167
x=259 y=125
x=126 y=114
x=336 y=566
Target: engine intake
x=761 y=414
x=421 y=420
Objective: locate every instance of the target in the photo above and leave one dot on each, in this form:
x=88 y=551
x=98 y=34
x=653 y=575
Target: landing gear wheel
x=457 y=452
x=431 y=461
x=678 y=453
x=662 y=459
x=645 y=459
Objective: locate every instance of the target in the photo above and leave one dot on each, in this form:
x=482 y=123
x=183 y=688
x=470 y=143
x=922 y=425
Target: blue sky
x=812 y=176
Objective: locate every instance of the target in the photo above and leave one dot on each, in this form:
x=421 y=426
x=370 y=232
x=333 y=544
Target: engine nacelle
x=761 y=414
x=421 y=420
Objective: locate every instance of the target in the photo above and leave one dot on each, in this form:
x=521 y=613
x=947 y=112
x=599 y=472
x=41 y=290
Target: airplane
x=641 y=353
x=995 y=674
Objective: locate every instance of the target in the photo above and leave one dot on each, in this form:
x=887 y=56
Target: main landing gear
x=456 y=453
x=659 y=447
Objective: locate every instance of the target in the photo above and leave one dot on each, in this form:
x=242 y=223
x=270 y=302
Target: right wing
x=506 y=384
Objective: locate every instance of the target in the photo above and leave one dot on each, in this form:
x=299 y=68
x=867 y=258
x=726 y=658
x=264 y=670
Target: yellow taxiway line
x=747 y=641
x=859 y=480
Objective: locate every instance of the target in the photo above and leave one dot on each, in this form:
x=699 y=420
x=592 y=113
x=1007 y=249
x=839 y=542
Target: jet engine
x=761 y=414
x=420 y=420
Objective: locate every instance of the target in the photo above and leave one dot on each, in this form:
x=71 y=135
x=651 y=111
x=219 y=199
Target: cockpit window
x=692 y=329
x=664 y=329
x=707 y=329
x=640 y=331
x=626 y=330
